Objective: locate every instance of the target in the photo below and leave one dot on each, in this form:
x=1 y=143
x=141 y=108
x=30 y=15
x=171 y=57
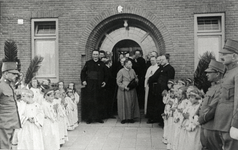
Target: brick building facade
x=73 y=28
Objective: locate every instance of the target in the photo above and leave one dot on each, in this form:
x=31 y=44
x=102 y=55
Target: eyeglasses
x=212 y=72
x=14 y=73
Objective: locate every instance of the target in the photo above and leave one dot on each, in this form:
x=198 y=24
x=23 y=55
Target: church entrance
x=124 y=47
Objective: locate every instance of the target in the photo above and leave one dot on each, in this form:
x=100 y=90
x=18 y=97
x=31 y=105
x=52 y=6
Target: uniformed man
x=225 y=115
x=9 y=117
x=210 y=138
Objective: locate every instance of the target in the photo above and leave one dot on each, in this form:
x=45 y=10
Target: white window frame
x=45 y=37
x=207 y=33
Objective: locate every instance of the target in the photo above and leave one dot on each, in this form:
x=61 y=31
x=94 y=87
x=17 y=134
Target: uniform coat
x=209 y=138
x=225 y=115
x=9 y=117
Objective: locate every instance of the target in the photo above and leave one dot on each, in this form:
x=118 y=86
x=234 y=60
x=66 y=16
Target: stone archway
x=136 y=34
x=111 y=20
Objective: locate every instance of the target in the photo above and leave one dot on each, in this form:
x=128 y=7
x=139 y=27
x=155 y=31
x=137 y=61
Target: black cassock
x=94 y=73
x=158 y=83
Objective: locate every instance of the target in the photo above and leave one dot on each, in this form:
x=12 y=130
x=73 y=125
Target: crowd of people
x=39 y=115
x=194 y=120
x=108 y=84
x=46 y=114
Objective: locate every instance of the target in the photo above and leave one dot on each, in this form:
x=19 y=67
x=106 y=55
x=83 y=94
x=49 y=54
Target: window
x=45 y=44
x=209 y=31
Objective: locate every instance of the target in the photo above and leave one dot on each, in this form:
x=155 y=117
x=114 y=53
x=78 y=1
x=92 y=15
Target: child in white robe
x=30 y=135
x=61 y=89
x=172 y=102
x=166 y=98
x=190 y=137
x=51 y=127
x=178 y=116
x=63 y=133
x=75 y=99
x=71 y=109
x=38 y=97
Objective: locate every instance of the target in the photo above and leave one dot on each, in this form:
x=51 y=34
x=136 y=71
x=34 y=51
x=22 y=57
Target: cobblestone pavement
x=112 y=135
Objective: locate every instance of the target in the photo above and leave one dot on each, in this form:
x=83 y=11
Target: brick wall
x=78 y=18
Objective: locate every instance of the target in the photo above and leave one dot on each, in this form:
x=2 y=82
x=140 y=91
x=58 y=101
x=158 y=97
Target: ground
x=112 y=135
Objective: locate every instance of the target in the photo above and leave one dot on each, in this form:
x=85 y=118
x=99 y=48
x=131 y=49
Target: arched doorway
x=124 y=47
x=107 y=33
x=126 y=38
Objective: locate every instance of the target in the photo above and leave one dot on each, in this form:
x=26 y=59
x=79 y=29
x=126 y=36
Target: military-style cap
x=230 y=47
x=10 y=67
x=215 y=66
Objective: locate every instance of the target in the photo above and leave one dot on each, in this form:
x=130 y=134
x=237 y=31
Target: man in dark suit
x=93 y=77
x=163 y=74
x=167 y=73
x=140 y=71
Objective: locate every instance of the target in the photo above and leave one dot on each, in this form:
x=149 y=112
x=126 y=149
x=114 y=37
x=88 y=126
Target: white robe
x=30 y=135
x=76 y=101
x=71 y=112
x=191 y=133
x=62 y=121
x=150 y=71
x=51 y=127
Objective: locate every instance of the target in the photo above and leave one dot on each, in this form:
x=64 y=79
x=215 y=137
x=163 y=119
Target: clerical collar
x=232 y=66
x=165 y=65
x=155 y=65
x=95 y=60
x=127 y=69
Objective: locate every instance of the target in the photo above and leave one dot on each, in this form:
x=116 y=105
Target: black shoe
x=88 y=121
x=161 y=125
x=150 y=121
x=123 y=121
x=112 y=117
x=131 y=121
x=100 y=121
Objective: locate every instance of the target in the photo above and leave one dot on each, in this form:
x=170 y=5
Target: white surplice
x=150 y=71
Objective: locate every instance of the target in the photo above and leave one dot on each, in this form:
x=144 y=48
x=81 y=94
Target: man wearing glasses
x=9 y=117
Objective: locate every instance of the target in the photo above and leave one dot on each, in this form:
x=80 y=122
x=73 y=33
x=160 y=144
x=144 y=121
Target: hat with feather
x=10 y=62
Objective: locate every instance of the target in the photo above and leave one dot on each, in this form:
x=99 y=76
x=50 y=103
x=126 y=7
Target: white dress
x=190 y=135
x=70 y=112
x=51 y=127
x=30 y=135
x=62 y=121
x=166 y=99
x=76 y=101
x=150 y=71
